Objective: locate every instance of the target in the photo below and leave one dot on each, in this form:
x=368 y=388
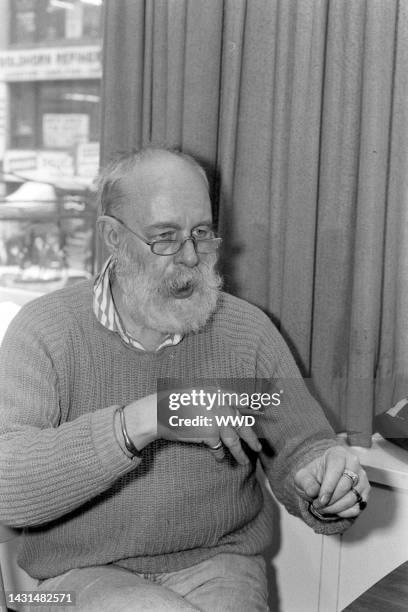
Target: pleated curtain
x=298 y=110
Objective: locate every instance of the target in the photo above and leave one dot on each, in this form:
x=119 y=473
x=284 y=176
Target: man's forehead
x=161 y=185
x=142 y=182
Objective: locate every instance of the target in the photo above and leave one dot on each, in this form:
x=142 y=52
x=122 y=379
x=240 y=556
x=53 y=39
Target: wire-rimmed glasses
x=203 y=245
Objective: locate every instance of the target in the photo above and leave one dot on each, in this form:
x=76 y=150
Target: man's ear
x=109 y=232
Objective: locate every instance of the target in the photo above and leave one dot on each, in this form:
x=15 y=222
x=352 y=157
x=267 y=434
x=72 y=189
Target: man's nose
x=187 y=255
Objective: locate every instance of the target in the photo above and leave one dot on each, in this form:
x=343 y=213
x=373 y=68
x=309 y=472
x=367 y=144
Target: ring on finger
x=361 y=502
x=216 y=447
x=352 y=476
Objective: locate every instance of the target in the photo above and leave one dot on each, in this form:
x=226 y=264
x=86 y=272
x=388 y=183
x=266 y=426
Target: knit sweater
x=81 y=500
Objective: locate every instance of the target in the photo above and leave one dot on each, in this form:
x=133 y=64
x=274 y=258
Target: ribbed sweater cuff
x=114 y=461
x=301 y=506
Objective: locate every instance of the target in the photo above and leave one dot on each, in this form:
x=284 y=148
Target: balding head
x=141 y=171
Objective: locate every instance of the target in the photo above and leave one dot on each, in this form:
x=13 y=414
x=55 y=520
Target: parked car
x=47 y=234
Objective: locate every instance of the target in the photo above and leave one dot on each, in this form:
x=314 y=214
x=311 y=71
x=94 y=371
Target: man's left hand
x=325 y=481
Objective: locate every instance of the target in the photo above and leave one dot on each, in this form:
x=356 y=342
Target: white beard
x=150 y=301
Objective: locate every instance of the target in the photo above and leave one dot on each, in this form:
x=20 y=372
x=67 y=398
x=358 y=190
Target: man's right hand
x=143 y=427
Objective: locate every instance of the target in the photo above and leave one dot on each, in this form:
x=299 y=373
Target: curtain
x=298 y=111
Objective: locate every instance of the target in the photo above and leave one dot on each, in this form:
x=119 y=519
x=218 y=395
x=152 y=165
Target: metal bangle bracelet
x=128 y=442
x=326 y=518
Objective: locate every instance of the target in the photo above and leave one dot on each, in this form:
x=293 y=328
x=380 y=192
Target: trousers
x=225 y=583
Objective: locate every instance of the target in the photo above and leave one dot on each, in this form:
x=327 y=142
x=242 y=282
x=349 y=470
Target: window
x=54 y=114
x=51 y=75
x=48 y=21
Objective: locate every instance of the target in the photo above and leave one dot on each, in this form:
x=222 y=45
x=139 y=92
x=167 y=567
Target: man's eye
x=203 y=232
x=165 y=236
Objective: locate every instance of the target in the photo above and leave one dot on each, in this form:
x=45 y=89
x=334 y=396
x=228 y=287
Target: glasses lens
x=171 y=247
x=166 y=247
x=208 y=246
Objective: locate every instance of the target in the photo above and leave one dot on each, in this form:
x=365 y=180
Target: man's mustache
x=181 y=279
x=202 y=277
x=203 y=274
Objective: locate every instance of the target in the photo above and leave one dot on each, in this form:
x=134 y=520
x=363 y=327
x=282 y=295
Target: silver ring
x=353 y=477
x=216 y=447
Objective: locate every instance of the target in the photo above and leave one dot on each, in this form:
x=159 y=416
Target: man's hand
x=323 y=480
x=217 y=429
x=143 y=427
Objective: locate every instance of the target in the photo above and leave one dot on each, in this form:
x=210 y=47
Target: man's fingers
x=217 y=449
x=345 y=488
x=249 y=436
x=345 y=483
x=335 y=462
x=352 y=512
x=306 y=484
x=350 y=500
x=356 y=508
x=231 y=436
x=232 y=441
x=342 y=488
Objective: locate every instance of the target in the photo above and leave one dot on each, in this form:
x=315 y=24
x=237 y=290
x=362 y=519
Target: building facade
x=50 y=73
x=50 y=78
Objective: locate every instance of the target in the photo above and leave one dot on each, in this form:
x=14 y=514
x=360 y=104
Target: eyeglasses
x=204 y=244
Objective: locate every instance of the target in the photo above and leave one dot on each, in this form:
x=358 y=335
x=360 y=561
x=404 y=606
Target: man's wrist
x=141 y=422
x=119 y=434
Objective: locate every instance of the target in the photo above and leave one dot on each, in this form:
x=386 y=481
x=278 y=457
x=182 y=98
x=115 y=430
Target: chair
x=5 y=535
x=3 y=602
x=10 y=303
x=12 y=577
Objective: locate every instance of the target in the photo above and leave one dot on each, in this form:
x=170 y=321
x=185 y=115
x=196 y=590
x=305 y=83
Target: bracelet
x=326 y=518
x=128 y=442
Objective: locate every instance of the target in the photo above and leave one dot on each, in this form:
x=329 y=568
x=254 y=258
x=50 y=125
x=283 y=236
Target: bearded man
x=125 y=514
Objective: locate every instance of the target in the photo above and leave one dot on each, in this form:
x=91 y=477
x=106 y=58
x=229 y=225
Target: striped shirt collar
x=107 y=314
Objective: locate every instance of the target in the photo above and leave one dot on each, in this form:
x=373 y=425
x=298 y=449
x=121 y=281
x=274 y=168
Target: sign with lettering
x=55 y=164
x=62 y=130
x=16 y=161
x=76 y=62
x=39 y=165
